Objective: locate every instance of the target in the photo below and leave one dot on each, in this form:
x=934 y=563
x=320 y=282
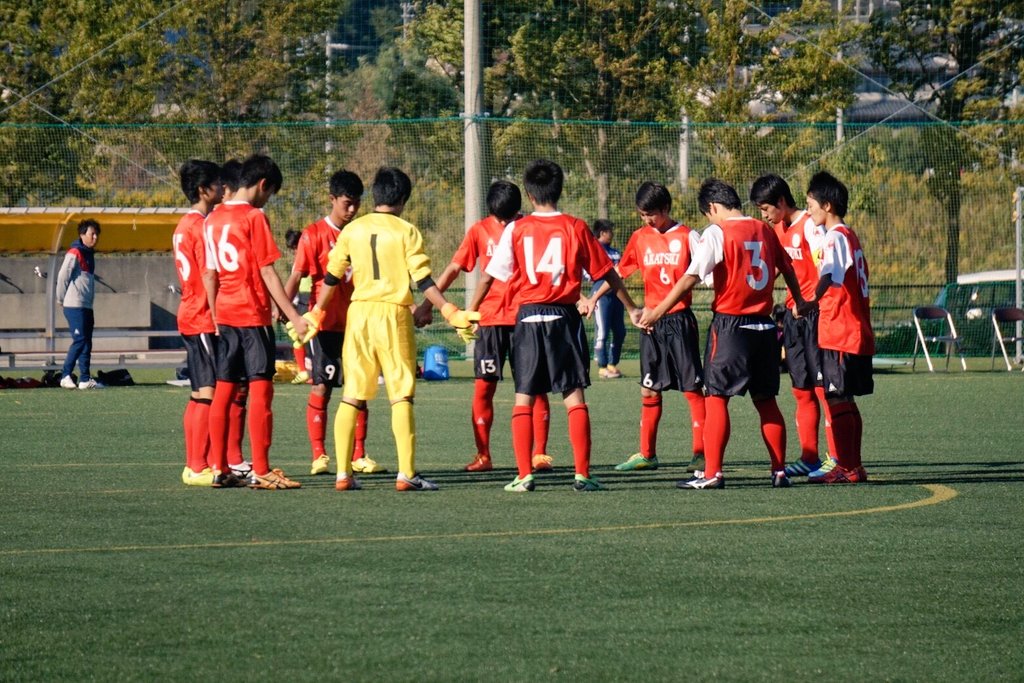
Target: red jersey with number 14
x=542 y=258
x=844 y=320
x=478 y=246
x=238 y=244
x=311 y=256
x=662 y=258
x=190 y=257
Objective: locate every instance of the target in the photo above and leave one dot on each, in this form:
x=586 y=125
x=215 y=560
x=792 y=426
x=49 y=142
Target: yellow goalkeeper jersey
x=386 y=256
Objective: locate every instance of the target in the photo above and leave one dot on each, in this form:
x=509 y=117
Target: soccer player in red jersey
x=311 y=256
x=844 y=327
x=802 y=239
x=541 y=257
x=670 y=354
x=494 y=334
x=743 y=255
x=241 y=280
x=200 y=181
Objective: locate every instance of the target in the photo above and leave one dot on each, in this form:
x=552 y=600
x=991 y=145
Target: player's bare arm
x=284 y=304
x=424 y=313
x=211 y=283
x=482 y=287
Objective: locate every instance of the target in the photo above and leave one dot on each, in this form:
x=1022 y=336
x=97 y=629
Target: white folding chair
x=939 y=324
x=1000 y=317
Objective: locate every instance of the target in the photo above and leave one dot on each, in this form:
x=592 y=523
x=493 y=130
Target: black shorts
x=800 y=339
x=670 y=354
x=742 y=355
x=326 y=358
x=549 y=350
x=490 y=351
x=245 y=353
x=201 y=358
x=846 y=374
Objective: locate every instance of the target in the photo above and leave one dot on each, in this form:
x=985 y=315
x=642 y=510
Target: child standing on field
x=542 y=258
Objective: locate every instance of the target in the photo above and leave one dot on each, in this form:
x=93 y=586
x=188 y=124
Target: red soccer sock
x=858 y=435
x=579 y=437
x=224 y=396
x=541 y=423
x=261 y=423
x=200 y=433
x=826 y=407
x=483 y=414
x=522 y=438
x=650 y=416
x=716 y=433
x=236 y=424
x=844 y=426
x=698 y=416
x=808 y=414
x=316 y=423
x=362 y=425
x=773 y=431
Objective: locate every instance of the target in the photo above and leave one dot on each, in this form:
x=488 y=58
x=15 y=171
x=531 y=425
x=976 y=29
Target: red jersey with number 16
x=190 y=257
x=662 y=258
x=542 y=258
x=744 y=255
x=478 y=245
x=238 y=244
x=311 y=257
x=844 y=320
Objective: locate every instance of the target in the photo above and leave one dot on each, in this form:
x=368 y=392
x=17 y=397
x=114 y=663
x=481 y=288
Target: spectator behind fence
x=76 y=288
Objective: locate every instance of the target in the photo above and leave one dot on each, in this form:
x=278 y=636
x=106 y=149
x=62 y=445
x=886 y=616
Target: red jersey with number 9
x=311 y=258
x=662 y=258
x=750 y=259
x=542 y=258
x=844 y=320
x=190 y=258
x=238 y=244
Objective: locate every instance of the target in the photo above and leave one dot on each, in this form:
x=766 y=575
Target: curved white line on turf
x=940 y=494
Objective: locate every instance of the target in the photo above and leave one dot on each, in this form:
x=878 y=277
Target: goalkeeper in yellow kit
x=386 y=256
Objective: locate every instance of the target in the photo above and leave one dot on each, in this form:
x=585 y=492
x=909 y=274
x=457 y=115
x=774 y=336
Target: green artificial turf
x=110 y=568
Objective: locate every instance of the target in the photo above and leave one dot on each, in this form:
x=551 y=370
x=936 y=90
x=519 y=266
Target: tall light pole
x=329 y=50
x=472 y=133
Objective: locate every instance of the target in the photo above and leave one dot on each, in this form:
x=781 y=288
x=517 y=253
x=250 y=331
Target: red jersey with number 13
x=190 y=257
x=478 y=246
x=238 y=244
x=542 y=258
x=844 y=320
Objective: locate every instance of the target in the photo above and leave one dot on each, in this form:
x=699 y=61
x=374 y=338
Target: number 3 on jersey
x=756 y=264
x=550 y=261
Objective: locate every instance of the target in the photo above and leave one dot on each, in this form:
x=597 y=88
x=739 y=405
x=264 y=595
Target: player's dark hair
x=197 y=173
x=260 y=167
x=84 y=226
x=715 y=191
x=291 y=238
x=651 y=196
x=602 y=225
x=391 y=187
x=231 y=173
x=346 y=184
x=504 y=199
x=769 y=189
x=543 y=181
x=825 y=188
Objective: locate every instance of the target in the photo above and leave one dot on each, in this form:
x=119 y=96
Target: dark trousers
x=80 y=323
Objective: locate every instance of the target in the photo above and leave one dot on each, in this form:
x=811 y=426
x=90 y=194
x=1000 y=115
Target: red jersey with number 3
x=662 y=258
x=238 y=244
x=744 y=256
x=844 y=320
x=190 y=258
x=542 y=258
x=478 y=247
x=311 y=256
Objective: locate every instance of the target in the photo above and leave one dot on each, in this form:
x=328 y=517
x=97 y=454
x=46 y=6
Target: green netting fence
x=928 y=200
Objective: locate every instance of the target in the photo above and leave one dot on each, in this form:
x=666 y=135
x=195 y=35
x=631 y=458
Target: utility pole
x=471 y=126
x=329 y=50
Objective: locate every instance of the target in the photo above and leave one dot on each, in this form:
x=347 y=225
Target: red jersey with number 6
x=844 y=320
x=190 y=258
x=238 y=244
x=662 y=258
x=478 y=246
x=542 y=258
x=311 y=257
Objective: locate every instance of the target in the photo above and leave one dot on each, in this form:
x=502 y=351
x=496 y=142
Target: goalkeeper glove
x=458 y=318
x=466 y=334
x=314 y=319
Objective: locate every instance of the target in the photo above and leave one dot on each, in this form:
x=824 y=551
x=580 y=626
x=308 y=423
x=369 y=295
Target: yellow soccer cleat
x=190 y=478
x=367 y=465
x=320 y=465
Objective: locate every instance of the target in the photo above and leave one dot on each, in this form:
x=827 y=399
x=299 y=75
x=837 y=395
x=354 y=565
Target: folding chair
x=1000 y=316
x=944 y=333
